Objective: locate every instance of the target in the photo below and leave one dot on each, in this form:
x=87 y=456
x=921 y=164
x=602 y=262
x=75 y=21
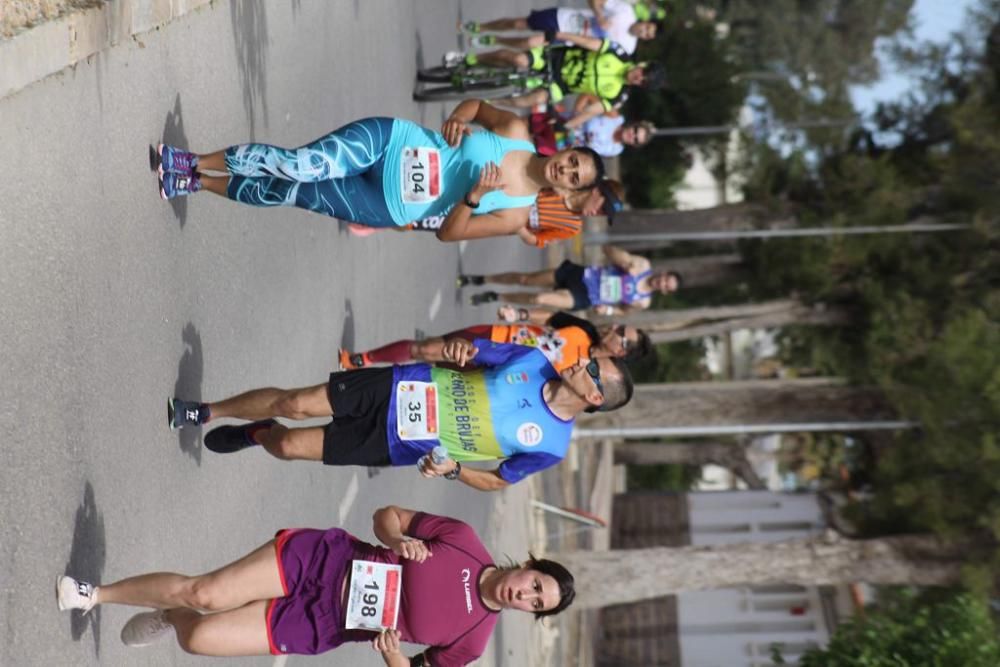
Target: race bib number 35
x=417 y=410
x=421 y=174
x=373 y=597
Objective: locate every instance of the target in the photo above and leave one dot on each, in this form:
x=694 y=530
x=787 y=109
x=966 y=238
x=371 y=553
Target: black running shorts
x=569 y=276
x=357 y=435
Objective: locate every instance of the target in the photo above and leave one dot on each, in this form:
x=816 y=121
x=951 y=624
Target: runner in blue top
x=513 y=407
x=383 y=172
x=628 y=283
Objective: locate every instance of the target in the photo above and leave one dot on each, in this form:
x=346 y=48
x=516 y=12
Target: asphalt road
x=111 y=300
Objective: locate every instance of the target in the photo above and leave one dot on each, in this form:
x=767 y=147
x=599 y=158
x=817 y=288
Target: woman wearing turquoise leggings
x=385 y=172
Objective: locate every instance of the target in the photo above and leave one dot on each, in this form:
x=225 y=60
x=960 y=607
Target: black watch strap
x=468 y=202
x=454 y=473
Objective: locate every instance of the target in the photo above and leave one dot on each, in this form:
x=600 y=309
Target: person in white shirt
x=607 y=19
x=608 y=134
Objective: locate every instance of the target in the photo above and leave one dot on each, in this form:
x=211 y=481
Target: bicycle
x=484 y=81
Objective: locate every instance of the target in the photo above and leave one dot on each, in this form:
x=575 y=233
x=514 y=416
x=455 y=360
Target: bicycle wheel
x=439 y=74
x=483 y=90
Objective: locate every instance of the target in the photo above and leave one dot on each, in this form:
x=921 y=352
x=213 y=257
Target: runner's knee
x=295 y=404
x=203 y=593
x=282 y=443
x=522 y=61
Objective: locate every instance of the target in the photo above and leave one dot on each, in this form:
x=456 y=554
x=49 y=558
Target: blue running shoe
x=182 y=413
x=173 y=184
x=176 y=160
x=229 y=439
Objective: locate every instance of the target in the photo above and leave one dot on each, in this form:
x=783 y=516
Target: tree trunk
x=810 y=400
x=729 y=455
x=705 y=270
x=817 y=315
x=614 y=577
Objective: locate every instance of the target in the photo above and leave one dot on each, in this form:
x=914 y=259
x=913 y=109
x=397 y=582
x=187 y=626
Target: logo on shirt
x=466 y=575
x=517 y=378
x=529 y=434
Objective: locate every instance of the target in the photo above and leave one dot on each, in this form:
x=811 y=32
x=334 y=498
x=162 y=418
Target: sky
x=935 y=20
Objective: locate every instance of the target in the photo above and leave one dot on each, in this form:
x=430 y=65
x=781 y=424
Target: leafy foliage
x=909 y=631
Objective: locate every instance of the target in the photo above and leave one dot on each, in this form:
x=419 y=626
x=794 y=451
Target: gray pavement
x=111 y=300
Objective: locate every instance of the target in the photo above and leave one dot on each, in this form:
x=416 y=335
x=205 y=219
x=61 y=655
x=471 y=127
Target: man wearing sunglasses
x=515 y=407
x=563 y=339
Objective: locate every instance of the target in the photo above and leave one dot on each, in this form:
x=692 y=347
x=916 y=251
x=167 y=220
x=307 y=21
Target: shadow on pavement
x=86 y=562
x=190 y=373
x=347 y=333
x=173 y=134
x=249 y=19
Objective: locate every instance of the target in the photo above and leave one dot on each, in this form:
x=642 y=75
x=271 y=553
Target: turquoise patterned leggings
x=339 y=174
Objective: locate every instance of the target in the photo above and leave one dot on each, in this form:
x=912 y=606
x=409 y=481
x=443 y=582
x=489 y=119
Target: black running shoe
x=182 y=413
x=469 y=279
x=229 y=439
x=483 y=297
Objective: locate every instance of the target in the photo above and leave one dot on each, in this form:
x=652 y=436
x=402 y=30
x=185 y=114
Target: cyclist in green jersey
x=600 y=71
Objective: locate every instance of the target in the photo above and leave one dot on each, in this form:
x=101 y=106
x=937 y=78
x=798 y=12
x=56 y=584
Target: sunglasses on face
x=620 y=331
x=594 y=371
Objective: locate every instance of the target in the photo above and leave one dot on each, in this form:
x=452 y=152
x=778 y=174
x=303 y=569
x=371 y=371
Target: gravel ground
x=18 y=15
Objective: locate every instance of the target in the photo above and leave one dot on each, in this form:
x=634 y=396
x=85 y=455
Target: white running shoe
x=145 y=628
x=453 y=58
x=73 y=594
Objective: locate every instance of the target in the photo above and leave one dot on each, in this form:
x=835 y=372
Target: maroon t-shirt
x=440 y=604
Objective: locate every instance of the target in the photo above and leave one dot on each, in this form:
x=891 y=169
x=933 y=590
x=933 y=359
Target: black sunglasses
x=594 y=371
x=620 y=331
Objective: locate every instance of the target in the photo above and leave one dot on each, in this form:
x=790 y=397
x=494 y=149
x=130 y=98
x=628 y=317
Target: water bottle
x=438 y=455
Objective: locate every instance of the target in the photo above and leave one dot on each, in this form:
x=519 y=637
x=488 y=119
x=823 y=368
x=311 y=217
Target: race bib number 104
x=421 y=173
x=373 y=597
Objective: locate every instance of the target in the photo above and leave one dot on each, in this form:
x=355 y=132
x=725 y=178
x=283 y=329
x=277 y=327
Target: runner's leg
x=240 y=631
x=505 y=58
x=522 y=43
x=544 y=278
x=253 y=577
x=348 y=151
x=560 y=299
x=257 y=404
x=292 y=444
x=500 y=25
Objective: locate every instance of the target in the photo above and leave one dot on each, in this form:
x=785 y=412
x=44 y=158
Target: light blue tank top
x=609 y=285
x=419 y=184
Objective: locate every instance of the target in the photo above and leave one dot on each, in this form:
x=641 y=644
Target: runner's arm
x=493 y=119
x=483 y=480
x=537 y=316
x=583 y=41
x=625 y=260
x=461 y=224
x=592 y=109
x=528 y=237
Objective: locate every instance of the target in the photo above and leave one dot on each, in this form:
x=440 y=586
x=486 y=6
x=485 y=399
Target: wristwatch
x=453 y=474
x=468 y=202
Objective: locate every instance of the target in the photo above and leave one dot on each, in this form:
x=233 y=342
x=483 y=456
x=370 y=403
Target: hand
x=387 y=642
x=454 y=130
x=429 y=469
x=411 y=549
x=594 y=203
x=490 y=179
x=458 y=351
x=507 y=313
x=604 y=22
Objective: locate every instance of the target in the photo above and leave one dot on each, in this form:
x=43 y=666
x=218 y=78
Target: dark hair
x=567 y=590
x=617 y=390
x=598 y=166
x=654 y=76
x=677 y=277
x=642 y=347
x=646 y=125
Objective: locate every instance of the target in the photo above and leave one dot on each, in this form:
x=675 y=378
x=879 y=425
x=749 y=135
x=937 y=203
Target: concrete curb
x=53 y=46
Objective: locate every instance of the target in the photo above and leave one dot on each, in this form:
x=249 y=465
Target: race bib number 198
x=373 y=596
x=417 y=410
x=421 y=174
x=611 y=289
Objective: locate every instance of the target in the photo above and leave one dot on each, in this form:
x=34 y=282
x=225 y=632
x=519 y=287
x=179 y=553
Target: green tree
x=910 y=631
